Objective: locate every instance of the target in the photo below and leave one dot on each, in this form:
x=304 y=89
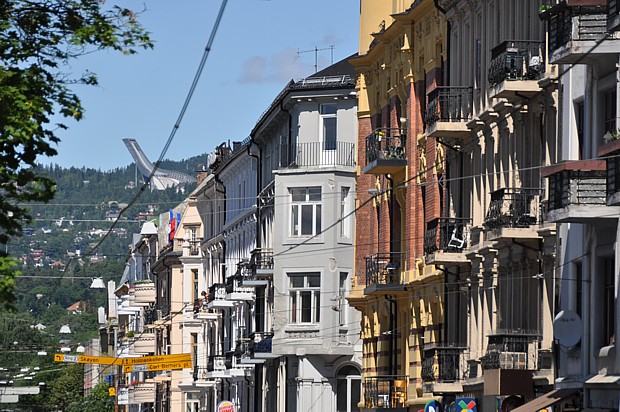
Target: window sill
x=303 y=239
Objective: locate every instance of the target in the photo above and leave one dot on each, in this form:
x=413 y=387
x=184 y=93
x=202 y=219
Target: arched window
x=348 y=388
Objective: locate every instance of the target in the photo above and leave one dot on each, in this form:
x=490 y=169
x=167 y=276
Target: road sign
x=161 y=366
x=94 y=360
x=179 y=357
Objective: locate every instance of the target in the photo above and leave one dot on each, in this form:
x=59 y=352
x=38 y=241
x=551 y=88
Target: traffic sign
x=179 y=357
x=162 y=366
x=94 y=360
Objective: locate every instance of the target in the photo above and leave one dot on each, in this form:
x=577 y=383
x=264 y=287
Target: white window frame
x=327 y=115
x=303 y=287
x=345 y=213
x=303 y=200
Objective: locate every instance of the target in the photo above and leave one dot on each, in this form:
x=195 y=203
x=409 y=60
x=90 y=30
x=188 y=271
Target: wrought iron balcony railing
x=262 y=259
x=517 y=60
x=513 y=207
x=328 y=153
x=386 y=144
x=217 y=291
x=446 y=234
x=444 y=364
x=385 y=392
x=384 y=268
x=261 y=342
x=511 y=350
x=449 y=104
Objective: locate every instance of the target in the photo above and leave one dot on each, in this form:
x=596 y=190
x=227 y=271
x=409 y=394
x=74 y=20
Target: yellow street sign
x=179 y=357
x=112 y=391
x=94 y=360
x=162 y=366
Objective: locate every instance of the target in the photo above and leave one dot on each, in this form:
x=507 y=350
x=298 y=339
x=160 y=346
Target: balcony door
x=348 y=389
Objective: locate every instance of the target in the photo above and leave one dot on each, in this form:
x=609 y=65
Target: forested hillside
x=61 y=251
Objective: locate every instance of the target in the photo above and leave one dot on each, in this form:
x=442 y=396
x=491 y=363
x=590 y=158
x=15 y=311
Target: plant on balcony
x=611 y=135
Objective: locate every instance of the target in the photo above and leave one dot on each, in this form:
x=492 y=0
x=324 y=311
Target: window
x=192 y=403
x=348 y=389
x=305 y=297
x=328 y=121
x=342 y=291
x=345 y=213
x=609 y=310
x=305 y=211
x=609 y=106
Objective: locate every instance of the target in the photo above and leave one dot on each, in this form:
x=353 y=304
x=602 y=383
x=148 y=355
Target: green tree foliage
x=99 y=400
x=68 y=388
x=38 y=40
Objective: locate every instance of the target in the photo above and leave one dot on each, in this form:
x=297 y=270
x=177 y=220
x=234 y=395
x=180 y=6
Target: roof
x=76 y=306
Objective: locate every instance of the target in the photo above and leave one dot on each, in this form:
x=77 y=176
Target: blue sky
x=254 y=55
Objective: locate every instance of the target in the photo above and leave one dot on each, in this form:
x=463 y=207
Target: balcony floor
x=383 y=289
x=584 y=51
x=515 y=88
x=448 y=129
x=447 y=258
x=443 y=387
x=590 y=214
x=385 y=166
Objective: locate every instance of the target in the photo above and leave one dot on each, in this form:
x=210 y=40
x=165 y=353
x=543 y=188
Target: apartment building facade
x=457 y=114
x=584 y=43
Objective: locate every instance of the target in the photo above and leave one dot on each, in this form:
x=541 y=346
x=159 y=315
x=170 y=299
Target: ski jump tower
x=161 y=179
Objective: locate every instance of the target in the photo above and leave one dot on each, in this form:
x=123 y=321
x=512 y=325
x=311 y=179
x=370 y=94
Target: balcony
x=443 y=369
x=144 y=293
x=577 y=192
x=575 y=32
x=216 y=363
x=610 y=152
x=512 y=213
x=258 y=271
x=142 y=393
x=384 y=273
x=385 y=392
x=516 y=66
x=324 y=154
x=217 y=297
x=511 y=357
x=511 y=350
x=386 y=151
x=445 y=239
x=144 y=343
x=237 y=293
x=447 y=112
x=262 y=345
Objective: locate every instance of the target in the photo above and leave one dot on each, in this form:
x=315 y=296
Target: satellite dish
x=567 y=328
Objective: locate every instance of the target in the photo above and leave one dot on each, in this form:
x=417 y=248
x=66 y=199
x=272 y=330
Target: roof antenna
x=316 y=51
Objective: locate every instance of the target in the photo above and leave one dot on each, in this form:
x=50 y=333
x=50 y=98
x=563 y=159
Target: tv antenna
x=316 y=51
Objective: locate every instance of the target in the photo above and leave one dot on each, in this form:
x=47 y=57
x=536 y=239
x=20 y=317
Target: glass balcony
x=445 y=239
x=577 y=191
x=513 y=207
x=448 y=110
x=516 y=66
x=386 y=151
x=385 y=392
x=574 y=32
x=384 y=273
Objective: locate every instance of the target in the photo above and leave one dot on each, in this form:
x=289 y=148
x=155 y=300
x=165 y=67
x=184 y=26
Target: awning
x=548 y=399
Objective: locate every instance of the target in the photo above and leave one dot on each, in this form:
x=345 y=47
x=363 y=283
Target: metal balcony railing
x=386 y=144
x=261 y=259
x=517 y=60
x=384 y=268
x=261 y=342
x=446 y=234
x=216 y=363
x=385 y=392
x=444 y=364
x=575 y=23
x=328 y=153
x=513 y=207
x=217 y=291
x=449 y=104
x=577 y=187
x=511 y=350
